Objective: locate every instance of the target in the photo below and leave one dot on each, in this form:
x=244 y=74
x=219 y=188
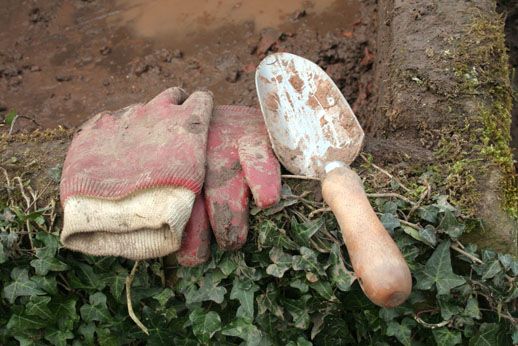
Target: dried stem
x=129 y=281
x=390 y=194
x=424 y=195
x=386 y=173
x=430 y=325
x=462 y=252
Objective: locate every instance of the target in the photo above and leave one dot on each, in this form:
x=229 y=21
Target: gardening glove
x=195 y=247
x=130 y=177
x=239 y=161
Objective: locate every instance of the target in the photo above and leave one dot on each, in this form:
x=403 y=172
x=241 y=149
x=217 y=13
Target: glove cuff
x=82 y=185
x=146 y=224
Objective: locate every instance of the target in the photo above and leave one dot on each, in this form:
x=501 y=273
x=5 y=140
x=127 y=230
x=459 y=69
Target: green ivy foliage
x=292 y=284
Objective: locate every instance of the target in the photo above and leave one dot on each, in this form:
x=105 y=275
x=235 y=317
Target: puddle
x=186 y=23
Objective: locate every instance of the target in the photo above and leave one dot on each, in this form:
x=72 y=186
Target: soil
x=62 y=61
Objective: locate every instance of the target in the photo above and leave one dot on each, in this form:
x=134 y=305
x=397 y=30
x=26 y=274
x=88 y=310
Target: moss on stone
x=481 y=72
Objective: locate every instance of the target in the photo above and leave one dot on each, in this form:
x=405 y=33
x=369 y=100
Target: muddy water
x=209 y=26
x=67 y=59
x=182 y=20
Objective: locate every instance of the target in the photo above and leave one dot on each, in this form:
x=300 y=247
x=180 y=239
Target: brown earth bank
x=428 y=82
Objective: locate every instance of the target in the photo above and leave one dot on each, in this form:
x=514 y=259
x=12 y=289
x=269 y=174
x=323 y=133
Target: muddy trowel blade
x=309 y=121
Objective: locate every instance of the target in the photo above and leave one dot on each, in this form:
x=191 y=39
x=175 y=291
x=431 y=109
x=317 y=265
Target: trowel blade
x=308 y=119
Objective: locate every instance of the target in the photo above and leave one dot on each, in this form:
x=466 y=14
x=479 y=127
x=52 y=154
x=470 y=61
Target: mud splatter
x=296 y=83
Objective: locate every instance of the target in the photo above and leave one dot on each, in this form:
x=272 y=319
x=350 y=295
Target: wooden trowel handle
x=379 y=265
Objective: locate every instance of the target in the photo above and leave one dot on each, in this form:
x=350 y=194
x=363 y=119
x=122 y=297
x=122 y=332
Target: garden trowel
x=315 y=133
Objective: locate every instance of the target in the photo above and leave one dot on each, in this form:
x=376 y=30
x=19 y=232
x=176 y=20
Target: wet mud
x=62 y=61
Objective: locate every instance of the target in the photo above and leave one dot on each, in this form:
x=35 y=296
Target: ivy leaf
x=340 y=276
x=299 y=284
x=390 y=222
x=402 y=331
x=38 y=306
x=428 y=213
x=302 y=233
x=244 y=330
x=208 y=290
x=116 y=282
x=428 y=235
x=66 y=310
x=45 y=264
x=96 y=310
x=438 y=271
x=270 y=235
x=281 y=263
x=446 y=337
x=19 y=323
x=268 y=301
x=449 y=307
x=58 y=337
x=324 y=289
x=451 y=225
x=308 y=261
x=87 y=279
x=204 y=324
x=420 y=235
x=487 y=335
x=491 y=270
x=47 y=283
x=227 y=264
x=472 y=309
x=163 y=297
x=300 y=342
x=21 y=285
x=243 y=290
x=299 y=310
x=3 y=255
x=87 y=330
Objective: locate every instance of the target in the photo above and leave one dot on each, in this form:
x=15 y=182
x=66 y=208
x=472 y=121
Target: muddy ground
x=62 y=61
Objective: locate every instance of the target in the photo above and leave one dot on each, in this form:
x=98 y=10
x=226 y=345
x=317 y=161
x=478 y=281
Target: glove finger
x=195 y=247
x=171 y=96
x=261 y=169
x=227 y=206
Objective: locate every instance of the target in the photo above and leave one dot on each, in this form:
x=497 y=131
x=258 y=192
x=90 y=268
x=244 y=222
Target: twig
x=462 y=252
x=421 y=199
x=410 y=224
x=129 y=281
x=28 y=202
x=293 y=176
x=386 y=173
x=12 y=124
x=8 y=186
x=390 y=194
x=430 y=325
x=320 y=210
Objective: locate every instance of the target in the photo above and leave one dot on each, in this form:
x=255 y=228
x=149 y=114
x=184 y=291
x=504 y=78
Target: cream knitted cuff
x=146 y=224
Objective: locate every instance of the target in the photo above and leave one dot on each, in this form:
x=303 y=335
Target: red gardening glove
x=130 y=177
x=195 y=247
x=239 y=161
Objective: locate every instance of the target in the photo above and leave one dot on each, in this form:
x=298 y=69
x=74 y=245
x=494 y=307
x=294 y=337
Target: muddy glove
x=195 y=247
x=130 y=177
x=239 y=161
